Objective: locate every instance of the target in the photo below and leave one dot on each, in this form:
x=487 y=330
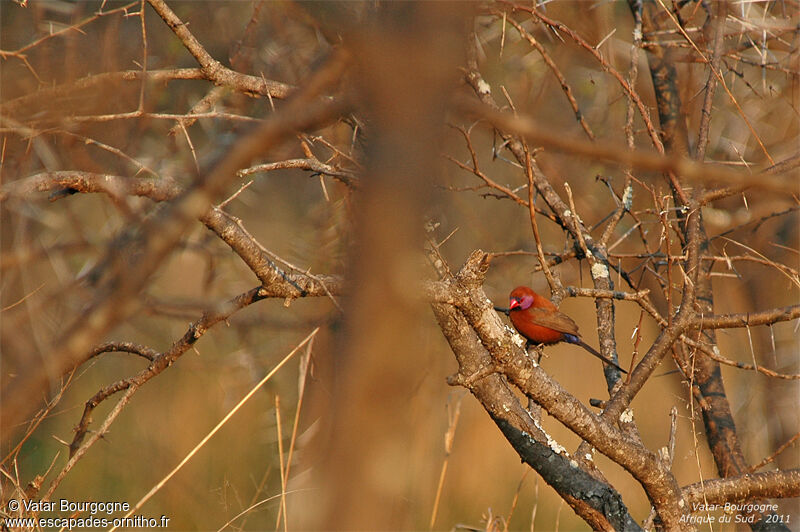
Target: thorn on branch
x=459 y=379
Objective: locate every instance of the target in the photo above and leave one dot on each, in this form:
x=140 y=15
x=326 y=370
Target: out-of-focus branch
x=782 y=167
x=681 y=166
x=242 y=82
x=138 y=253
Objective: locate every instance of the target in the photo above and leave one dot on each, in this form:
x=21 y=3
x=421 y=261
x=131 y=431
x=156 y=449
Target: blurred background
x=50 y=122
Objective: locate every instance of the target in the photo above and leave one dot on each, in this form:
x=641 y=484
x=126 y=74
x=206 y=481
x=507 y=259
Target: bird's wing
x=553 y=320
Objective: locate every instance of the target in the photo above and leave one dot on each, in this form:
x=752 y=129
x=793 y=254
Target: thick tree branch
x=746 y=487
x=645 y=466
x=591 y=498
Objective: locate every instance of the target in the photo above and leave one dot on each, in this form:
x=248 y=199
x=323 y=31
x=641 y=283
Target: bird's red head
x=522 y=298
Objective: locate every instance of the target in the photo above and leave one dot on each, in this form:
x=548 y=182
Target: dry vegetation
x=250 y=253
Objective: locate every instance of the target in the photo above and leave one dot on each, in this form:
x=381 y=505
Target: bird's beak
x=513 y=304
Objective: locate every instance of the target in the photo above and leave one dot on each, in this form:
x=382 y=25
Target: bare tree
x=640 y=155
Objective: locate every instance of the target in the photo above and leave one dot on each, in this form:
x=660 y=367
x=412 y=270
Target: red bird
x=539 y=320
